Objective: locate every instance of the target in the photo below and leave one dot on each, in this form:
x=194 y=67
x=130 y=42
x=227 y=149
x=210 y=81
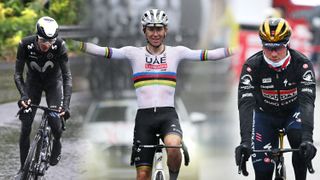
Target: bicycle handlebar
x=275 y=151
x=46 y=109
x=160 y=146
x=285 y=150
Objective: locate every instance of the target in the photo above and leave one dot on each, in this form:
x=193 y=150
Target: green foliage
x=18 y=20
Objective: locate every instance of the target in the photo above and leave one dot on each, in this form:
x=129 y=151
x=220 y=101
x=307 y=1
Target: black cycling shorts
x=150 y=122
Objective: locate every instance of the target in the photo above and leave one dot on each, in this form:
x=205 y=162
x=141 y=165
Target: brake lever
x=242 y=168
x=310 y=167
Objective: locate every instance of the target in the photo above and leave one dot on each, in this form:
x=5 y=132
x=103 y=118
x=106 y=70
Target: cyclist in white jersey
x=154 y=74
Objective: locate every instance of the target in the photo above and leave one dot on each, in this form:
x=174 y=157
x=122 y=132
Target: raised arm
x=108 y=52
x=204 y=55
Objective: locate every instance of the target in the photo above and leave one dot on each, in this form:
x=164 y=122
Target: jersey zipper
x=278 y=91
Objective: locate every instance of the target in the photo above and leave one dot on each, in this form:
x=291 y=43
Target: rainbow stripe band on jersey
x=228 y=52
x=83 y=46
x=204 y=55
x=108 y=53
x=154 y=78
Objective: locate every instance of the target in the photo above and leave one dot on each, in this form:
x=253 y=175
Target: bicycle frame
x=37 y=161
x=158 y=170
x=277 y=157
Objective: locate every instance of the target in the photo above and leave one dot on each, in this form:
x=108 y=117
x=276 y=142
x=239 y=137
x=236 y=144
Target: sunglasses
x=274 y=48
x=43 y=40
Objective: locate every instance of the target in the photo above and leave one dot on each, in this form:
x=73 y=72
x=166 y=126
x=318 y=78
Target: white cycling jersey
x=154 y=76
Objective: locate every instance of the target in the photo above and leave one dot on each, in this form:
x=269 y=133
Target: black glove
x=24 y=99
x=67 y=113
x=244 y=150
x=307 y=150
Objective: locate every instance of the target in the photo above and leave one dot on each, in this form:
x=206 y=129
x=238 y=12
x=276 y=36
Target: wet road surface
x=72 y=144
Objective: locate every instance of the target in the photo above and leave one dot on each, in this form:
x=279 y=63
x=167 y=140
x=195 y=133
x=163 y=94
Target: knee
x=143 y=173
x=262 y=165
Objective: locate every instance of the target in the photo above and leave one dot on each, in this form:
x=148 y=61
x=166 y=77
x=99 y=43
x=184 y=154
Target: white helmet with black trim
x=47 y=27
x=154 y=18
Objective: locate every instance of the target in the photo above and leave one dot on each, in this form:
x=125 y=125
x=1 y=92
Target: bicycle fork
x=158 y=157
x=279 y=165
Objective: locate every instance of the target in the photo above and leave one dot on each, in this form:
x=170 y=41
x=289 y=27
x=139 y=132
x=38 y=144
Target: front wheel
x=159 y=175
x=29 y=169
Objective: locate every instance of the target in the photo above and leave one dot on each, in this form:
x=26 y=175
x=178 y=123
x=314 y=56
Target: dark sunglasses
x=275 y=48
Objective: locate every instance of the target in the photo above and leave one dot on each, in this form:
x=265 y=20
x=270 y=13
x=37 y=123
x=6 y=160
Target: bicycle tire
x=49 y=147
x=31 y=160
x=159 y=176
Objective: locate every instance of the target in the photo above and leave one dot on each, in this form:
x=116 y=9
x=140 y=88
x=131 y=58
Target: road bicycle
x=37 y=161
x=158 y=168
x=277 y=158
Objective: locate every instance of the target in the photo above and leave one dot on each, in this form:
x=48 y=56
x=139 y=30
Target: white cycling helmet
x=154 y=17
x=47 y=27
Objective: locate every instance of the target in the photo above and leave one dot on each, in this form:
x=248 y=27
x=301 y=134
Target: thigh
x=169 y=124
x=264 y=137
x=34 y=92
x=54 y=94
x=144 y=134
x=293 y=129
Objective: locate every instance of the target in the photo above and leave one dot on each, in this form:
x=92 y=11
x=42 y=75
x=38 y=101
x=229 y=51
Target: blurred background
x=96 y=144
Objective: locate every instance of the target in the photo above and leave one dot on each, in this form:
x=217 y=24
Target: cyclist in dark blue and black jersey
x=45 y=56
x=277 y=89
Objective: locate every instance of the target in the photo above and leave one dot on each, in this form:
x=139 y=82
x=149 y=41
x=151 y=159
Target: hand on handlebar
x=307 y=150
x=242 y=154
x=24 y=102
x=65 y=113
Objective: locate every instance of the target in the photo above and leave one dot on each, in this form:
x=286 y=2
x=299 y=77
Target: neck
x=155 y=50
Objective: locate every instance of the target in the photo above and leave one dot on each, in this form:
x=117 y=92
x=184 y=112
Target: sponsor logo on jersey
x=266 y=80
x=285 y=82
x=35 y=66
x=54 y=47
x=288 y=94
x=155 y=62
x=246 y=79
x=267 y=87
x=308 y=90
x=308 y=76
x=50 y=56
x=30 y=46
x=270 y=94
